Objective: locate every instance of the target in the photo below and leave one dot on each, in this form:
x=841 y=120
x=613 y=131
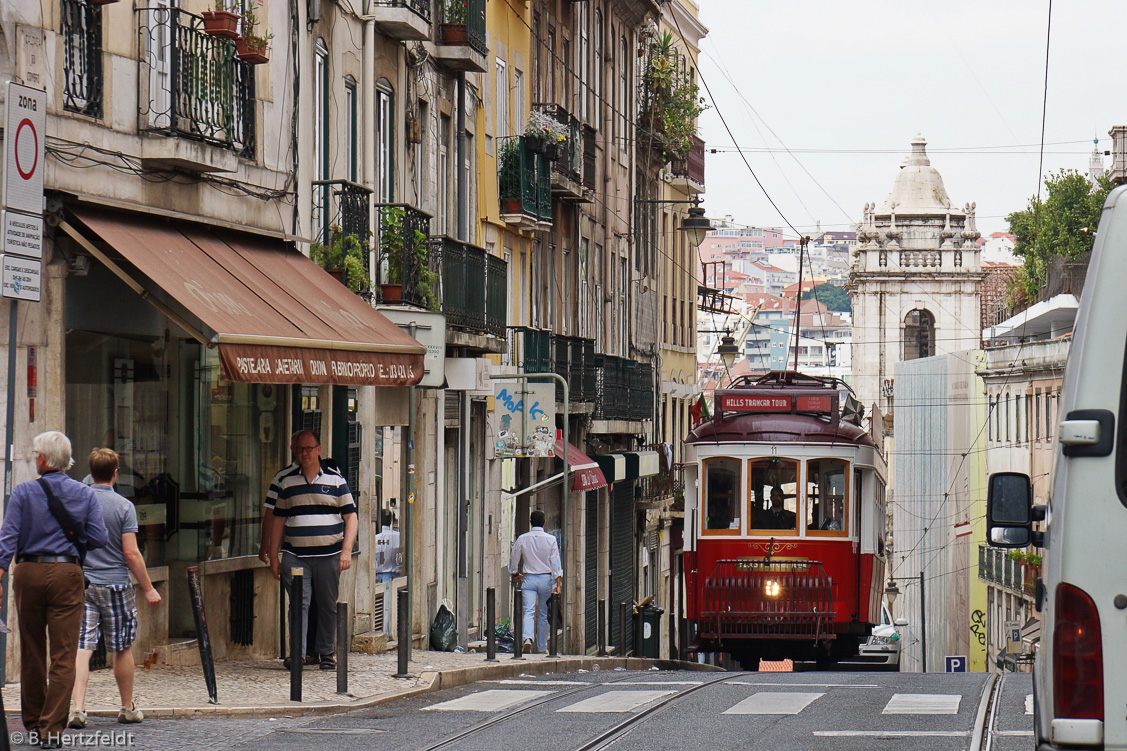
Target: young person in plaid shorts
x=111 y=605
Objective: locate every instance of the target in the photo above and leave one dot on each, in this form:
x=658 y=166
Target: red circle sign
x=27 y=174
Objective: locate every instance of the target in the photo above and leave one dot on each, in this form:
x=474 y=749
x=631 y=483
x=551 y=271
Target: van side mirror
x=1009 y=510
x=900 y=622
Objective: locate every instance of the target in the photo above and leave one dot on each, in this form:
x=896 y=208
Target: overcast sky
x=824 y=78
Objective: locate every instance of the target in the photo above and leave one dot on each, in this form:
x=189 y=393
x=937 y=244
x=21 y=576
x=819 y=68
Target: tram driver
x=778 y=517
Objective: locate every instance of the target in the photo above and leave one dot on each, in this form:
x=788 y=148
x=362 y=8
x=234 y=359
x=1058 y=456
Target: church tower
x=914 y=278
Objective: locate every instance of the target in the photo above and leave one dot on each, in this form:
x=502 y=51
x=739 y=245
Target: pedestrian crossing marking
x=663 y=683
x=774 y=702
x=891 y=733
x=923 y=704
x=777 y=684
x=1029 y=703
x=529 y=682
x=616 y=701
x=491 y=700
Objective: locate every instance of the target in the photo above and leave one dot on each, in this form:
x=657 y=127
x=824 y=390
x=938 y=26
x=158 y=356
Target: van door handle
x=1087 y=432
x=1079 y=432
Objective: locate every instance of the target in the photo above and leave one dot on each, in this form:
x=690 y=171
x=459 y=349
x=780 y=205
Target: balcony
x=460 y=43
x=530 y=349
x=81 y=32
x=624 y=389
x=474 y=291
x=996 y=566
x=407 y=271
x=342 y=203
x=573 y=359
x=567 y=170
x=194 y=88
x=688 y=173
x=405 y=20
x=524 y=183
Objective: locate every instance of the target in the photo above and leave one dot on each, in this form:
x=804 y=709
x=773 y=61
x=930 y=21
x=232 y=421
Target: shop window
x=826 y=495
x=774 y=497
x=721 y=496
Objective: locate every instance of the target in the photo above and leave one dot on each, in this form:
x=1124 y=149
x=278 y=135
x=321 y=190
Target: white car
x=882 y=649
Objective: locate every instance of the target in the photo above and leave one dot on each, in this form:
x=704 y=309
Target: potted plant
x=403 y=251
x=671 y=102
x=252 y=46
x=508 y=176
x=345 y=258
x=544 y=135
x=220 y=22
x=452 y=30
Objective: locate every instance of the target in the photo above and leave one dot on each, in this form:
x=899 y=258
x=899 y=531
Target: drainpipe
x=460 y=156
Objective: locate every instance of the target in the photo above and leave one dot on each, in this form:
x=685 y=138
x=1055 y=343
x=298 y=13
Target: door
x=591 y=569
x=622 y=566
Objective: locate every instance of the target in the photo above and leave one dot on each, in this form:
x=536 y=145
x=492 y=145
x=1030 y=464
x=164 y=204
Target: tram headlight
x=772 y=588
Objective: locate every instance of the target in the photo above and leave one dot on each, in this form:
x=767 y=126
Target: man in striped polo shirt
x=318 y=521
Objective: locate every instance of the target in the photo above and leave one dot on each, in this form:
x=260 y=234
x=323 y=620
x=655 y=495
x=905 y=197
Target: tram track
x=603 y=739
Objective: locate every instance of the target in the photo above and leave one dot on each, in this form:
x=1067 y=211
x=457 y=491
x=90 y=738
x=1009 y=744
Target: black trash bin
x=647 y=631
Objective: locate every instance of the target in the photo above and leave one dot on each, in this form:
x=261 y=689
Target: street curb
x=427 y=681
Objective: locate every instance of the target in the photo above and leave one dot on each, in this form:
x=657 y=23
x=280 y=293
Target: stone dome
x=919 y=186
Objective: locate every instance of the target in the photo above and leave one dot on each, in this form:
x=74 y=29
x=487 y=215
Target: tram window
x=721 y=493
x=826 y=495
x=774 y=494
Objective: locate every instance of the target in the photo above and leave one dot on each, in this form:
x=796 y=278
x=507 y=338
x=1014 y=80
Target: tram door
x=622 y=555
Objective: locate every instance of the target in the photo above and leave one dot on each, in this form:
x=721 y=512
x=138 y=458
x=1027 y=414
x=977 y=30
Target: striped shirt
x=275 y=488
x=314 y=512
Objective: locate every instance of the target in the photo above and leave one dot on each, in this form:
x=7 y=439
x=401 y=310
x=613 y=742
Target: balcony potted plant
x=545 y=135
x=452 y=30
x=252 y=46
x=221 y=22
x=344 y=258
x=403 y=249
x=508 y=176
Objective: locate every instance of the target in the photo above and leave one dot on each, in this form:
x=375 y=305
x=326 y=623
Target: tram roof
x=778 y=428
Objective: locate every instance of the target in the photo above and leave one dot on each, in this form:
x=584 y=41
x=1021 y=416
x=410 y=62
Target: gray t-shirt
x=107 y=565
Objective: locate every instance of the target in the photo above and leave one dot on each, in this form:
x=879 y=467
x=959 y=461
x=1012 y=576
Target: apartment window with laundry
x=385 y=142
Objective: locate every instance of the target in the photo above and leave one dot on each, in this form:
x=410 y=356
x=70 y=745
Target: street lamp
x=696 y=225
x=891 y=592
x=727 y=350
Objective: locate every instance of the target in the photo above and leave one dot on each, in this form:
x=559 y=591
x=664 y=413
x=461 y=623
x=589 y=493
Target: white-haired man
x=49 y=545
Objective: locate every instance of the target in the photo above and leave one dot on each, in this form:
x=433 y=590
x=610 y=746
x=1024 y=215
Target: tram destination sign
x=822 y=403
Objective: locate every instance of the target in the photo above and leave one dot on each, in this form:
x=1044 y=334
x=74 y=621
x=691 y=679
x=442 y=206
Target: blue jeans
x=386 y=576
x=535 y=590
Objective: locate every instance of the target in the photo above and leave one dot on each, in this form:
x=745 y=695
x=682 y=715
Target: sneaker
x=77 y=720
x=328 y=662
x=527 y=648
x=132 y=714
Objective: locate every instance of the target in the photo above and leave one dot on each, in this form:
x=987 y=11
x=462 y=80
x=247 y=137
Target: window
x=501 y=124
x=444 y=175
x=422 y=148
x=826 y=494
x=584 y=59
x=773 y=495
x=385 y=143
x=81 y=34
x=519 y=116
x=321 y=139
x=919 y=335
x=352 y=135
x=721 y=496
x=599 y=63
x=584 y=290
x=623 y=83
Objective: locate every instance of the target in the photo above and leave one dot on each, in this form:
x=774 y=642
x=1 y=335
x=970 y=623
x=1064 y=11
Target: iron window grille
x=81 y=32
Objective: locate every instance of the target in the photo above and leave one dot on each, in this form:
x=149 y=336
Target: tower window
x=919 y=335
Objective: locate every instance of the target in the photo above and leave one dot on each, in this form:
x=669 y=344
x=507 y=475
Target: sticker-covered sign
x=524 y=420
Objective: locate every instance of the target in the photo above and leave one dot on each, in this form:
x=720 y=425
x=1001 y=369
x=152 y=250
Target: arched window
x=919 y=335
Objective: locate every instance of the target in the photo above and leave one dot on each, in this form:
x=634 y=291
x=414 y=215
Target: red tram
x=785 y=522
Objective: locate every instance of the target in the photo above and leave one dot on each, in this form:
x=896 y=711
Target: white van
x=1080 y=676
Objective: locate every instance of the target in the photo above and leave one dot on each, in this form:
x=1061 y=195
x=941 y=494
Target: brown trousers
x=49 y=603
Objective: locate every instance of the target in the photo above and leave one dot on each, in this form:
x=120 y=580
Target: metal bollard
x=518 y=623
x=553 y=603
x=601 y=630
x=283 y=616
x=621 y=652
x=342 y=647
x=403 y=632
x=491 y=624
x=297 y=633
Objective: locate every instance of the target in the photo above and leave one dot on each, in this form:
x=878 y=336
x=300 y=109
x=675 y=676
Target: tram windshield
x=774 y=494
x=826 y=494
x=721 y=493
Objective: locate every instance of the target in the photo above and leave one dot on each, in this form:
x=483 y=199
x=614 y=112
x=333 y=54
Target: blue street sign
x=956 y=663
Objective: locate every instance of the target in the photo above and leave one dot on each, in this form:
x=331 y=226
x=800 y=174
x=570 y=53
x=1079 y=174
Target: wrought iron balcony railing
x=995 y=566
x=344 y=204
x=524 y=181
x=692 y=166
x=474 y=290
x=420 y=7
x=624 y=389
x=573 y=359
x=81 y=32
x=191 y=84
x=467 y=14
x=407 y=268
x=568 y=166
x=530 y=349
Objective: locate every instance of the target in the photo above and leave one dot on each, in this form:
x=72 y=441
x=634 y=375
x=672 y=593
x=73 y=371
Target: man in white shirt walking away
x=535 y=564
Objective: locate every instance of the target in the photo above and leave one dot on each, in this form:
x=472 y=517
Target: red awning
x=587 y=475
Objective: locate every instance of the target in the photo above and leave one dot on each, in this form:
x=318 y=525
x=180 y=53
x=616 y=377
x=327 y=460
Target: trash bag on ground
x=443 y=631
x=504 y=636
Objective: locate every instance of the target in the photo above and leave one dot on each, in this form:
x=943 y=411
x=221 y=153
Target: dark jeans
x=49 y=603
x=320 y=584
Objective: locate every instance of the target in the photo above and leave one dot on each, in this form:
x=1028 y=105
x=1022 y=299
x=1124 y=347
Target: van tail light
x=1078 y=672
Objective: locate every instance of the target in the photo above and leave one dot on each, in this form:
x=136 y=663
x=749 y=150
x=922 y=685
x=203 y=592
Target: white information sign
x=20 y=278
x=23 y=234
x=23 y=149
